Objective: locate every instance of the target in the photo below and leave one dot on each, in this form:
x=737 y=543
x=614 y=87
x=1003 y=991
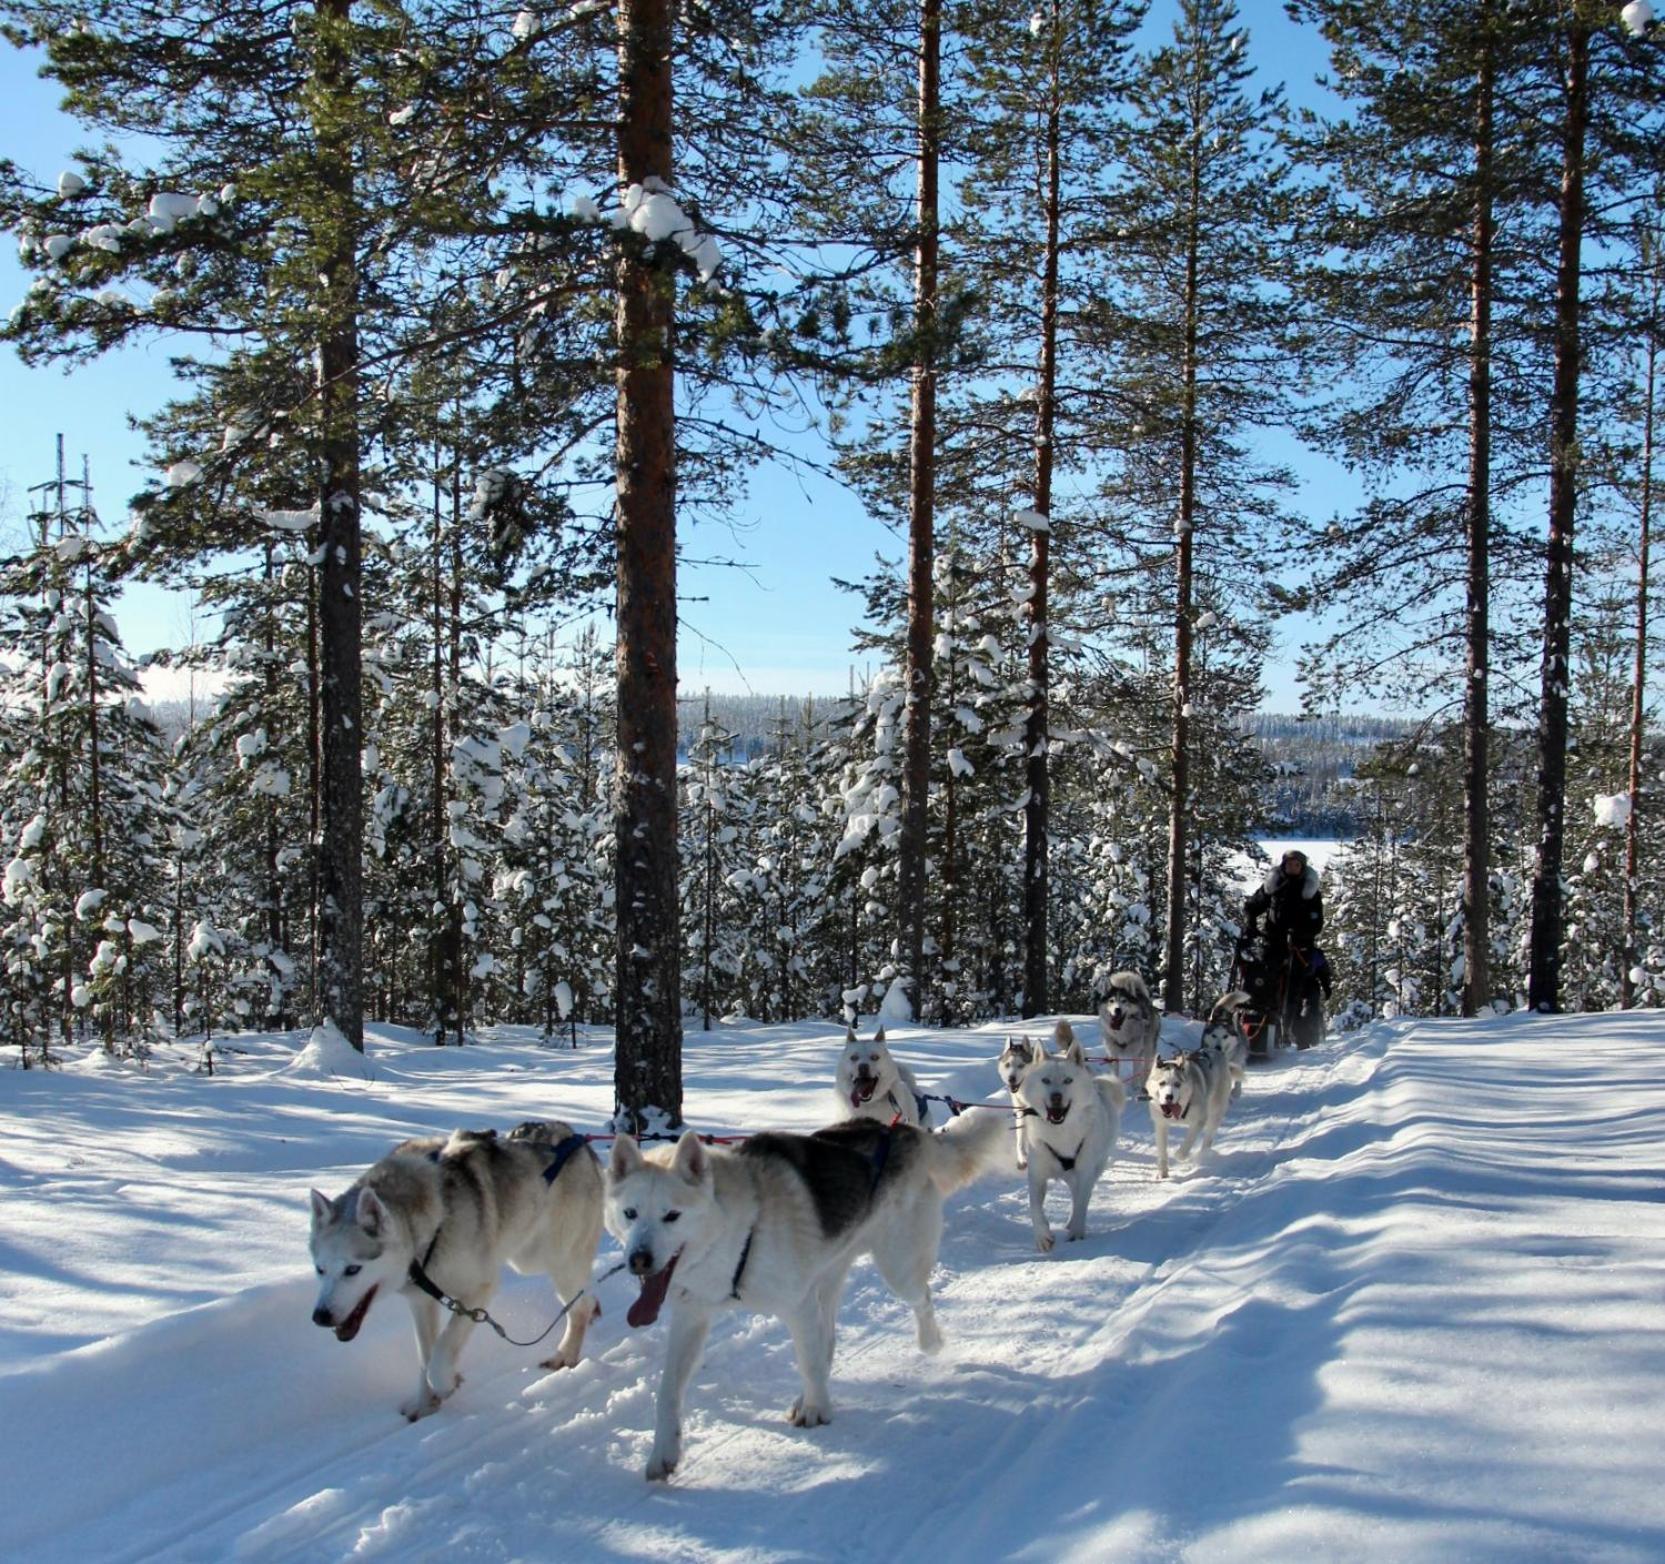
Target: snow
x=1637 y=16
x=1612 y=809
x=1385 y=1321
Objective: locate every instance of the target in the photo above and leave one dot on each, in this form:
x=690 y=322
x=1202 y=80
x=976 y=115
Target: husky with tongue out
x=1190 y=1088
x=773 y=1227
x=874 y=1084
x=1071 y=1118
x=463 y=1208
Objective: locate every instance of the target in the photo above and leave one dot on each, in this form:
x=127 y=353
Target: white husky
x=1190 y=1088
x=774 y=1226
x=1128 y=1020
x=873 y=1083
x=462 y=1208
x=1015 y=1061
x=1072 y=1119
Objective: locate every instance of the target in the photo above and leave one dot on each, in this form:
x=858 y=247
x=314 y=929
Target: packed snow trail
x=1410 y=1309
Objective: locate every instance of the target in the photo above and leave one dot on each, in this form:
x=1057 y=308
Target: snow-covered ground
x=1414 y=1308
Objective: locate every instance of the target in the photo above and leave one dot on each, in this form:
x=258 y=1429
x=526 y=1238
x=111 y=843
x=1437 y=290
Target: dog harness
x=562 y=1155
x=1068 y=1163
x=740 y=1269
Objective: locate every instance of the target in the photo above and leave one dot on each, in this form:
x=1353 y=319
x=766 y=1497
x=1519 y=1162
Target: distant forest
x=1313 y=758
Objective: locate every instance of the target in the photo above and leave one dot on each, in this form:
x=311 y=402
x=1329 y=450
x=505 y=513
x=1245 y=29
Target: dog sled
x=1286 y=1003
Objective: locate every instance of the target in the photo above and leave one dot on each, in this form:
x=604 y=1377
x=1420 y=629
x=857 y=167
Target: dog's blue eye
x=671 y=1216
x=352 y=1270
x=630 y=1213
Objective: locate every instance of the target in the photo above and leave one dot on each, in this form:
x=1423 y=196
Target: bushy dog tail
x=1063 y=1034
x=973 y=1144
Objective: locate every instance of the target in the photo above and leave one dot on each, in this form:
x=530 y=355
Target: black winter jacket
x=1293 y=908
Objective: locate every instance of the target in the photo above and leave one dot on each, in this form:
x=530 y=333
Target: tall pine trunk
x=648 y=1002
x=1179 y=798
x=1476 y=762
x=1544 y=980
x=1037 y=809
x=1638 y=691
x=341 y=881
x=912 y=839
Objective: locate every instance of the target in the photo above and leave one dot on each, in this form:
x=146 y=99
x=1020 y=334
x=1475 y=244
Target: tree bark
x=912 y=839
x=1037 y=810
x=1179 y=798
x=648 y=1004
x=341 y=870
x=1638 y=692
x=1544 y=982
x=1476 y=761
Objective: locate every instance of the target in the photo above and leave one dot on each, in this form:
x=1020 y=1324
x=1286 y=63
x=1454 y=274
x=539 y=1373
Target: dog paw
x=1044 y=1242
x=930 y=1337
x=562 y=1360
x=800 y=1415
x=420 y=1406
x=660 y=1467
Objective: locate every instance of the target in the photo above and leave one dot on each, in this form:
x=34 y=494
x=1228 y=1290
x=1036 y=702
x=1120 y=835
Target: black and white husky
x=1191 y=1088
x=464 y=1208
x=1071 y=1119
x=873 y=1083
x=1128 y=1019
x=773 y=1227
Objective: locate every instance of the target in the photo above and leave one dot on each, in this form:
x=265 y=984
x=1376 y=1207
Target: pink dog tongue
x=645 y=1310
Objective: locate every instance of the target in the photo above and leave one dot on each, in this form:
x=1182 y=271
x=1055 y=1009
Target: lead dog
x=874 y=1084
x=1128 y=1020
x=774 y=1226
x=1190 y=1088
x=463 y=1207
x=1071 y=1118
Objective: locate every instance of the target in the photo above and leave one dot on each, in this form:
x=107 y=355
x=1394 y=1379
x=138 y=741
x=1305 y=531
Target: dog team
x=771 y=1225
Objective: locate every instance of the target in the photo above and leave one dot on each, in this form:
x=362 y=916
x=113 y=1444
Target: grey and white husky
x=1072 y=1118
x=1224 y=1033
x=1015 y=1061
x=1192 y=1088
x=1128 y=1020
x=773 y=1226
x=463 y=1207
x=873 y=1083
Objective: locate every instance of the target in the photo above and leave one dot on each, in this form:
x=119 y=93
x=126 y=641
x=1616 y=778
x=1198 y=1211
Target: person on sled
x=1292 y=904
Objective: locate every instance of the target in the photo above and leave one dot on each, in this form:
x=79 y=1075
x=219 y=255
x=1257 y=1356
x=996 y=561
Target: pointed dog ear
x=1074 y=1052
x=849 y=1034
x=879 y=1036
x=372 y=1214
x=320 y=1208
x=626 y=1157
x=691 y=1160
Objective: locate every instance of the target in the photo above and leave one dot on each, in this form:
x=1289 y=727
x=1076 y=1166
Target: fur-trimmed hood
x=1275 y=881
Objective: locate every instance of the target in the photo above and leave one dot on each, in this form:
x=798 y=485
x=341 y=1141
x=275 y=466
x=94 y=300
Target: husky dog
x=873 y=1084
x=1224 y=1033
x=1072 y=1118
x=1128 y=1020
x=1014 y=1062
x=1191 y=1087
x=461 y=1207
x=773 y=1227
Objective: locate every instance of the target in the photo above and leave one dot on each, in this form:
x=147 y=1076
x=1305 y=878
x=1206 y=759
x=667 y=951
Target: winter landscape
x=572 y=561
x=1409 y=1310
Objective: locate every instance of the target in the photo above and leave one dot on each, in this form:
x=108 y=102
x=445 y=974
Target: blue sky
x=776 y=627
